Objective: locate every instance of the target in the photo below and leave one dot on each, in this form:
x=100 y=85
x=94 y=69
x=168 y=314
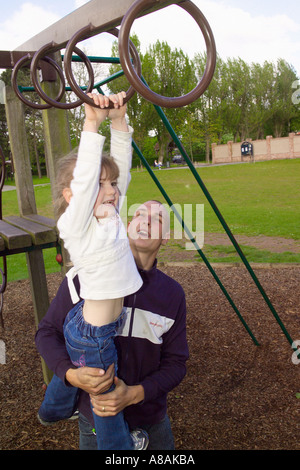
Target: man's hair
x=64 y=175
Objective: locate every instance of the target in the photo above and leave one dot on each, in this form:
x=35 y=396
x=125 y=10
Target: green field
x=254 y=199
x=259 y=198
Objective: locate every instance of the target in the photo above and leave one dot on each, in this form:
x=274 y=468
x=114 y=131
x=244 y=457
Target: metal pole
x=221 y=219
x=210 y=200
x=170 y=203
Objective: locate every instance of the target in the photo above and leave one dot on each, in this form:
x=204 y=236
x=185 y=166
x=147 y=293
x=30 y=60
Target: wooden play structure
x=31 y=233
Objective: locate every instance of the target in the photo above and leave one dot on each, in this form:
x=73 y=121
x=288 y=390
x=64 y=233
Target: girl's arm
x=121 y=147
x=85 y=184
x=121 y=151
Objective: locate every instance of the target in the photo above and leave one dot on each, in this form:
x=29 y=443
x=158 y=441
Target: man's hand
x=90 y=379
x=111 y=403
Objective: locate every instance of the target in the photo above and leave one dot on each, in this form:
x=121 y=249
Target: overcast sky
x=254 y=30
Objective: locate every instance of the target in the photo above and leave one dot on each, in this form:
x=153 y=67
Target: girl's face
x=108 y=197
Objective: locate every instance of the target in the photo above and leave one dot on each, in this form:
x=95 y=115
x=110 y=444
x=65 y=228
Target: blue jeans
x=94 y=346
x=160 y=435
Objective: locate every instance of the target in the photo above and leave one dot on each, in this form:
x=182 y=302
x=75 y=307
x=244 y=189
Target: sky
x=254 y=30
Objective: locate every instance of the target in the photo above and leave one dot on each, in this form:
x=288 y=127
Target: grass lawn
x=254 y=199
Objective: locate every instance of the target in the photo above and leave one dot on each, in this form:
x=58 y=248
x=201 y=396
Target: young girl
x=97 y=243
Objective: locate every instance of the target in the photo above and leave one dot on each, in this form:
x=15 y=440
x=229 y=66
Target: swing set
x=42 y=55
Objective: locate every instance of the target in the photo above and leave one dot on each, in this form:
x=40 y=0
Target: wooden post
x=26 y=201
x=57 y=138
x=18 y=143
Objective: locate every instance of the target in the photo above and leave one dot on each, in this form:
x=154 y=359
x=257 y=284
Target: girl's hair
x=64 y=175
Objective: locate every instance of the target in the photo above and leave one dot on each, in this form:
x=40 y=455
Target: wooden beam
x=14 y=237
x=38 y=284
x=42 y=220
x=40 y=234
x=102 y=14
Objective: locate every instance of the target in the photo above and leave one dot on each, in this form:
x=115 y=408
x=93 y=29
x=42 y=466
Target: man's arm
x=174 y=355
x=170 y=373
x=110 y=404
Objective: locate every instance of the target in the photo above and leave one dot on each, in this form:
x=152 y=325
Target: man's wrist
x=70 y=377
x=138 y=394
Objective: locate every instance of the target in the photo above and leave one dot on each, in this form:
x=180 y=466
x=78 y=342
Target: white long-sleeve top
x=98 y=249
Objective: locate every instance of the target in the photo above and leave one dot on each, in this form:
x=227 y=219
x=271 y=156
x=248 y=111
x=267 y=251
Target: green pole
x=170 y=203
x=221 y=219
x=67 y=88
x=206 y=193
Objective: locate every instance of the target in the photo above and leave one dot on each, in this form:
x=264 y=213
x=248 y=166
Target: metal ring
x=15 y=71
x=81 y=34
x=56 y=102
x=149 y=95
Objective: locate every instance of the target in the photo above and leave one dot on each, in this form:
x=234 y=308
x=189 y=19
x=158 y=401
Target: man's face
x=149 y=227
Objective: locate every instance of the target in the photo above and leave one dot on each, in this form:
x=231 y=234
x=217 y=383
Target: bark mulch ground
x=235 y=396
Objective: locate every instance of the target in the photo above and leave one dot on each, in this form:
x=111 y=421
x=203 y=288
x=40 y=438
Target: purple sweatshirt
x=152 y=346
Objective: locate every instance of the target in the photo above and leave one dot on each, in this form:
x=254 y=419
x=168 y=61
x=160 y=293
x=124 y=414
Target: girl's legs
x=59 y=402
x=93 y=346
x=160 y=435
x=112 y=433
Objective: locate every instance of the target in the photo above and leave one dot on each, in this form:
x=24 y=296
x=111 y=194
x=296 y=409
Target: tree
x=4 y=138
x=209 y=108
x=169 y=73
x=262 y=90
x=283 y=109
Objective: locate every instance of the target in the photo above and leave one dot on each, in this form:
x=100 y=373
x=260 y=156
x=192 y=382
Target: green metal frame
x=178 y=216
x=222 y=220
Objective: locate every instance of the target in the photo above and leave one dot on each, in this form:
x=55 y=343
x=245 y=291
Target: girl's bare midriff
x=102 y=312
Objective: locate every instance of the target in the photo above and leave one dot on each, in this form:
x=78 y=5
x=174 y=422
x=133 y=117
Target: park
x=241 y=391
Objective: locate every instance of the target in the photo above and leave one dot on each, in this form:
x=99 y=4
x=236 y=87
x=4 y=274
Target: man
x=151 y=344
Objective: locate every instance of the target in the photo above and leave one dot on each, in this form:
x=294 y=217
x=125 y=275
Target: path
x=274 y=244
